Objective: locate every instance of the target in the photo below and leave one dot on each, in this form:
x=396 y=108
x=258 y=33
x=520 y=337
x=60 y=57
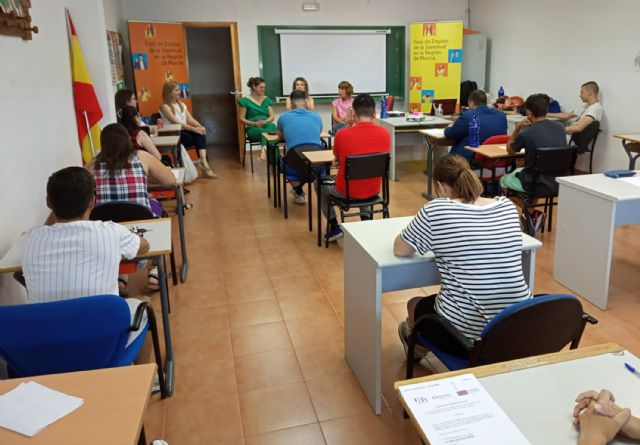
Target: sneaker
x=334 y=233
x=404 y=332
x=298 y=198
x=159 y=442
x=527 y=224
x=537 y=220
x=156 y=384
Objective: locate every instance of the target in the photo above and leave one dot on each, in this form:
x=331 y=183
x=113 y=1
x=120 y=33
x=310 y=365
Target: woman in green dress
x=256 y=113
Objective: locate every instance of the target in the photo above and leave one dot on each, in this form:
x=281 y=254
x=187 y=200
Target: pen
x=632 y=370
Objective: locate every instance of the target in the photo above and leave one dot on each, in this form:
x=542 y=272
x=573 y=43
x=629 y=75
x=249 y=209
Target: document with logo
x=459 y=411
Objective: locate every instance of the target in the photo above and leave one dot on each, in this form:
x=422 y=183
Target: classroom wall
x=251 y=13
x=37 y=121
x=554 y=47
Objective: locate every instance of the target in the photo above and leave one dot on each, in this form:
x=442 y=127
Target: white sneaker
x=159 y=442
x=298 y=199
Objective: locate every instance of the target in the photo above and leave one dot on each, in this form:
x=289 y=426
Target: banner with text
x=435 y=67
x=158 y=54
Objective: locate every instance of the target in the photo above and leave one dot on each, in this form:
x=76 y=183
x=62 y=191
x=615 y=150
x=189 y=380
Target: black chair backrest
x=296 y=160
x=120 y=211
x=543 y=166
x=369 y=166
x=585 y=137
x=532 y=330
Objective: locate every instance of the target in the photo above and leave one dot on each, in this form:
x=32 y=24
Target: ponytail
x=454 y=171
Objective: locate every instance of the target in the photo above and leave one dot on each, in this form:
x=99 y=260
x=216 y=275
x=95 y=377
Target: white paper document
x=437 y=133
x=635 y=180
x=459 y=411
x=30 y=407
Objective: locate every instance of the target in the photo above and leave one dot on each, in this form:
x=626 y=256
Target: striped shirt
x=75 y=259
x=478 y=250
x=127 y=184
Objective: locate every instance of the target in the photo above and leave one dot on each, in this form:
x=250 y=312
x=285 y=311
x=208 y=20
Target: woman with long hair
x=477 y=245
x=192 y=132
x=121 y=174
x=256 y=113
x=129 y=117
x=301 y=84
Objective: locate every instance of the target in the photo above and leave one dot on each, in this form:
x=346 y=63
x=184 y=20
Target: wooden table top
x=115 y=400
x=494 y=151
x=318 y=157
x=165 y=141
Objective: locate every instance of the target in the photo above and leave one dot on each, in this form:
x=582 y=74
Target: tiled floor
x=258 y=329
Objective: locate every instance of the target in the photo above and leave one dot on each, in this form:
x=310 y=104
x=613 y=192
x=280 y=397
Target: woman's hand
x=201 y=130
x=606 y=406
x=599 y=418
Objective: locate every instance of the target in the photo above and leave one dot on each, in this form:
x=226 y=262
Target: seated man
x=492 y=122
x=364 y=137
x=534 y=132
x=591 y=111
x=299 y=127
x=76 y=257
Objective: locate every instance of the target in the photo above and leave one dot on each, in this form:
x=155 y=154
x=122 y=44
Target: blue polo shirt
x=300 y=126
x=492 y=122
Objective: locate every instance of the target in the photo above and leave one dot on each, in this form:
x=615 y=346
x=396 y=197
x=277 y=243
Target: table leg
x=363 y=320
x=584 y=240
x=269 y=173
x=430 y=149
x=319 y=210
x=183 y=241
x=529 y=268
x=632 y=159
x=164 y=303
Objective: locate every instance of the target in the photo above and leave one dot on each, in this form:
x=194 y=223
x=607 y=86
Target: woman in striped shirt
x=477 y=245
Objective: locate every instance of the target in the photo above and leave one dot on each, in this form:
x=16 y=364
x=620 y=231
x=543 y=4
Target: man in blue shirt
x=492 y=122
x=299 y=127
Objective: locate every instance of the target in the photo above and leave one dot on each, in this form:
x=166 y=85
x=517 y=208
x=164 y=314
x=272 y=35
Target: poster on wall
x=114 y=43
x=158 y=54
x=435 y=67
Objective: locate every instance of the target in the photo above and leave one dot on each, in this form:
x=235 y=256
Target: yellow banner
x=435 y=67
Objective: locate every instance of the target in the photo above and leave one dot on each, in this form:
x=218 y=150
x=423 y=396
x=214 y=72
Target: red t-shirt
x=361 y=139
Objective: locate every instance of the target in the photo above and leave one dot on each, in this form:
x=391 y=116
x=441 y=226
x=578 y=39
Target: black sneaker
x=527 y=224
x=334 y=233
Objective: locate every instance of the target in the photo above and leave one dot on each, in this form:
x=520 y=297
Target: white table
x=589 y=209
x=371 y=268
x=538 y=393
x=396 y=125
x=158 y=234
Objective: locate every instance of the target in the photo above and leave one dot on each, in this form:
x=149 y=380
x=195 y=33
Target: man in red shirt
x=363 y=138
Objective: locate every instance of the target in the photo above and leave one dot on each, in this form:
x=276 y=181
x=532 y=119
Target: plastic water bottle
x=383 y=107
x=474 y=132
x=160 y=123
x=439 y=111
x=500 y=92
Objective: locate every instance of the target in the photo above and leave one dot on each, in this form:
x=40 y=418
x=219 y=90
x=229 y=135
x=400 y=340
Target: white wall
x=37 y=120
x=553 y=47
x=251 y=13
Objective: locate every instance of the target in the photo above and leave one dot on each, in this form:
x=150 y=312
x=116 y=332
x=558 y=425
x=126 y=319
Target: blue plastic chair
x=74 y=335
x=541 y=325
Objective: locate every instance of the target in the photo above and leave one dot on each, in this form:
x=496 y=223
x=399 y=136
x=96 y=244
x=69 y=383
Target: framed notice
x=114 y=43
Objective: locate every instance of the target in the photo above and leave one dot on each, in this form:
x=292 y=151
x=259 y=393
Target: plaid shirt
x=129 y=184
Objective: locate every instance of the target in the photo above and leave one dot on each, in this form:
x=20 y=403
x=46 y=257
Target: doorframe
x=235 y=54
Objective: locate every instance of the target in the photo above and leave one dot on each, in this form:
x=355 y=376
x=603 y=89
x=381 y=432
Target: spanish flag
x=88 y=111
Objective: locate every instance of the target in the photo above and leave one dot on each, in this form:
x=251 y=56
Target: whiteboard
x=327 y=58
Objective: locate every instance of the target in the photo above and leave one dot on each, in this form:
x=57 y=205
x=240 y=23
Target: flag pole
x=86 y=120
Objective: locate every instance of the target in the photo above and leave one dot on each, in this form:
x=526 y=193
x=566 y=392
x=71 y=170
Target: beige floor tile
x=337 y=396
x=267 y=369
x=301 y=435
x=257 y=312
x=259 y=338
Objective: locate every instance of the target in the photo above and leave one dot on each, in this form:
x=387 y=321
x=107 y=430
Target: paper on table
x=437 y=133
x=635 y=180
x=31 y=407
x=459 y=411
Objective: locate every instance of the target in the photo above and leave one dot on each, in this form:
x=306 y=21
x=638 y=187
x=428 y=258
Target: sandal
x=153 y=282
x=122 y=287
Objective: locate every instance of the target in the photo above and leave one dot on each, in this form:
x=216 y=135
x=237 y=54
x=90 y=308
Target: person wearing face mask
x=256 y=113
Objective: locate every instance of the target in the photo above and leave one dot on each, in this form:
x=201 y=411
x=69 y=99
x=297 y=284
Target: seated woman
x=256 y=113
x=129 y=117
x=124 y=98
x=477 y=245
x=121 y=174
x=193 y=132
x=301 y=84
x=341 y=114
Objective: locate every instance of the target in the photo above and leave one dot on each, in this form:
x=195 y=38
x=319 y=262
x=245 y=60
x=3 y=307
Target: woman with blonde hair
x=192 y=132
x=477 y=245
x=301 y=84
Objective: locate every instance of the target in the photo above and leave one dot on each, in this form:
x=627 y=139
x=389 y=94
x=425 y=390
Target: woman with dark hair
x=342 y=111
x=129 y=117
x=121 y=174
x=193 y=132
x=256 y=113
x=126 y=97
x=301 y=84
x=477 y=245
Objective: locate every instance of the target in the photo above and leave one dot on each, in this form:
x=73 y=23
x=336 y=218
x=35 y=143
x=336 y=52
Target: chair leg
x=284 y=193
x=550 y=213
x=310 y=205
x=268 y=176
x=172 y=262
x=153 y=327
x=591 y=161
x=244 y=155
x=166 y=281
x=251 y=157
